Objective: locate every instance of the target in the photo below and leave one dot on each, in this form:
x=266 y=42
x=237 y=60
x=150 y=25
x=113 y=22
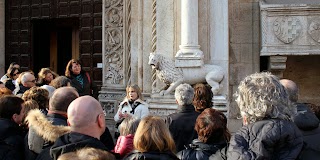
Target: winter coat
x=135 y=155
x=21 y=90
x=198 y=150
x=9 y=83
x=74 y=141
x=11 y=140
x=87 y=88
x=137 y=109
x=308 y=123
x=272 y=139
x=124 y=145
x=181 y=126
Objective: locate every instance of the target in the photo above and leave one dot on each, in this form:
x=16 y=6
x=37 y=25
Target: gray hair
x=184 y=94
x=25 y=77
x=261 y=95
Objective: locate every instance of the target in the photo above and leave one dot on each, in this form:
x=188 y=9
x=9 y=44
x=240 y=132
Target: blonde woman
x=45 y=76
x=132 y=105
x=152 y=141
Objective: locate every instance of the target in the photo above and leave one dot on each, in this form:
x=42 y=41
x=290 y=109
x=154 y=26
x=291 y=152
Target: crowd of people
x=58 y=117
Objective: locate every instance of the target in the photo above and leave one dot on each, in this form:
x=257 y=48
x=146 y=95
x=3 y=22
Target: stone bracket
x=277 y=65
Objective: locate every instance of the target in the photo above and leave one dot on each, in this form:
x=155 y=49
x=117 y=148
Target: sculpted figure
x=173 y=76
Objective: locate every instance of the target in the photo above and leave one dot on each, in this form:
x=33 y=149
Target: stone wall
x=244 y=49
x=304 y=70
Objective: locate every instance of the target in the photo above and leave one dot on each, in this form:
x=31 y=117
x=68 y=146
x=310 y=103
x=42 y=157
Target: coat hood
x=45 y=128
x=305 y=119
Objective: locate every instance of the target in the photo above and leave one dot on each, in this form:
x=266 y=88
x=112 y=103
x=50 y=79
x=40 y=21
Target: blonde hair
x=261 y=95
x=30 y=105
x=87 y=153
x=136 y=88
x=153 y=135
x=42 y=74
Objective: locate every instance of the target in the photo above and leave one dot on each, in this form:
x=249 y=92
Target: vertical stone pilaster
x=2 y=37
x=189 y=54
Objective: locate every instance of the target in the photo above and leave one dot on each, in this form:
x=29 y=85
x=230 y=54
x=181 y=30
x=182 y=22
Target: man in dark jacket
x=181 y=124
x=268 y=132
x=87 y=123
x=27 y=81
x=11 y=135
x=306 y=121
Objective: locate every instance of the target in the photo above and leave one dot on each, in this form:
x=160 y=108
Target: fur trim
x=43 y=127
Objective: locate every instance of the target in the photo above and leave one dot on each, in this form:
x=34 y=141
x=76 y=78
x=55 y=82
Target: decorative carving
x=173 y=76
x=154 y=43
x=113 y=73
x=114 y=41
x=287 y=29
x=314 y=30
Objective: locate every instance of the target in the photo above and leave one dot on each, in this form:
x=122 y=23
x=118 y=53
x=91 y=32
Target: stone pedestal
x=189 y=54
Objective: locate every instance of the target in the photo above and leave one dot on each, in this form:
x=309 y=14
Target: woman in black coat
x=213 y=135
x=80 y=79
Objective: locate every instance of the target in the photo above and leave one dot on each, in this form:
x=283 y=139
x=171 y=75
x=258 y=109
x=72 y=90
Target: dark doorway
x=53 y=43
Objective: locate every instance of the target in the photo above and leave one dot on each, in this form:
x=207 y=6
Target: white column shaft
x=189 y=22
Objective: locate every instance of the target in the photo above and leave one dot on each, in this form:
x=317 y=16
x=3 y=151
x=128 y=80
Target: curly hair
x=184 y=94
x=40 y=95
x=202 y=97
x=211 y=126
x=60 y=81
x=261 y=96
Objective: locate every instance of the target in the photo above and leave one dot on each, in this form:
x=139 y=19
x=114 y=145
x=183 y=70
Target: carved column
x=277 y=65
x=189 y=54
x=2 y=37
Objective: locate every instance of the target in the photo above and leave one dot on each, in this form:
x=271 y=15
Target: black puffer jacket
x=181 y=126
x=73 y=141
x=135 y=155
x=308 y=123
x=199 y=150
x=266 y=139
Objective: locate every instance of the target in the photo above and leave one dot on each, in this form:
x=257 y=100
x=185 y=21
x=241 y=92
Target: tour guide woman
x=80 y=79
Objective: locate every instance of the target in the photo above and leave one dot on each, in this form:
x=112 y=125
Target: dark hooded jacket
x=11 y=140
x=73 y=141
x=181 y=126
x=272 y=139
x=135 y=155
x=308 y=123
x=198 y=150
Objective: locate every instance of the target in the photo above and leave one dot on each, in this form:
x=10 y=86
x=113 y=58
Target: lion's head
x=154 y=60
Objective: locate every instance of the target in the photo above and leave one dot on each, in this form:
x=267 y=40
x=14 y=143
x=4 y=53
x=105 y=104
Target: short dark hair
x=10 y=105
x=211 y=126
x=60 y=101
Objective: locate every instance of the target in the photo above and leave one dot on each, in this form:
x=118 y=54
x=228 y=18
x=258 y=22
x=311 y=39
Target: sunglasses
x=16 y=73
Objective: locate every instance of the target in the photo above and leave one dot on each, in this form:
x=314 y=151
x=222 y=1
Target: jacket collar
x=186 y=108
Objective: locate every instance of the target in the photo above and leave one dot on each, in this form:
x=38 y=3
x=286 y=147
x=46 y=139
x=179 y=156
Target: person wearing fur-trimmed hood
x=132 y=105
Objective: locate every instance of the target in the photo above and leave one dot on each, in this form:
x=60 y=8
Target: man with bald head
x=87 y=121
x=306 y=121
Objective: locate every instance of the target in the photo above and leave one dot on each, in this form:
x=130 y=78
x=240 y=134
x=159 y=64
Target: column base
x=189 y=56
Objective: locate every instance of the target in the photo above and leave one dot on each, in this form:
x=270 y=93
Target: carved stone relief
x=314 y=30
x=287 y=29
x=114 y=41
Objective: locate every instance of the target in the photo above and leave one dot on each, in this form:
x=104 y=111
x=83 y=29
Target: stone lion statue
x=173 y=76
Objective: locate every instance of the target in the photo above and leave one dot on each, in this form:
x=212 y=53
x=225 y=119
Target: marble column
x=189 y=54
x=2 y=37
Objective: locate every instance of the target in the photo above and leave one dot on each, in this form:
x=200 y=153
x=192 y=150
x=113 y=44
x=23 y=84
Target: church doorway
x=55 y=42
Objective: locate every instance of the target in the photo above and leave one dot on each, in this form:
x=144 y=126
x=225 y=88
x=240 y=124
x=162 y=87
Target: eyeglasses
x=33 y=81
